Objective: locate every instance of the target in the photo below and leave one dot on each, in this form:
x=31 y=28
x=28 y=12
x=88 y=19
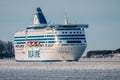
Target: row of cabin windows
x=55 y=42
x=50 y=45
x=47 y=45
x=70 y=32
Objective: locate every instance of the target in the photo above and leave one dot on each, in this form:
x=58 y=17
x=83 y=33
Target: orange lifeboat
x=36 y=43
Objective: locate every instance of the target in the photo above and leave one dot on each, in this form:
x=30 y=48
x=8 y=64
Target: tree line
x=102 y=53
x=6 y=49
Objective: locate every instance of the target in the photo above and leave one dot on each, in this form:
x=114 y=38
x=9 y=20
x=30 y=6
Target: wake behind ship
x=50 y=42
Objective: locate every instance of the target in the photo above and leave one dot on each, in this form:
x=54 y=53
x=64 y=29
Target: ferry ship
x=50 y=42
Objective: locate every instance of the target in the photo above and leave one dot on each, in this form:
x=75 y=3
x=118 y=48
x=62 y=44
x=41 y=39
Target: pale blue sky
x=103 y=17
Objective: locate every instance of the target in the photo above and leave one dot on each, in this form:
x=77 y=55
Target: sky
x=102 y=16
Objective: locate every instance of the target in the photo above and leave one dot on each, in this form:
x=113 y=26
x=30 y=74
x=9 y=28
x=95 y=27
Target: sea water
x=82 y=70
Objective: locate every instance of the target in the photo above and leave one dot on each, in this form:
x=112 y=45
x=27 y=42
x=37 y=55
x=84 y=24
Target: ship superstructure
x=43 y=42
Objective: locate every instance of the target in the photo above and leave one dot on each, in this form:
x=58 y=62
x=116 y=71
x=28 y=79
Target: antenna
x=65 y=19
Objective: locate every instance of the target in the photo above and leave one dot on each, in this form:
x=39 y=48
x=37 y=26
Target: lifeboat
x=35 y=43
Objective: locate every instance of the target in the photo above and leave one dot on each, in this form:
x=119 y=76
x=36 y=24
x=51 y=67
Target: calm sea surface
x=83 y=70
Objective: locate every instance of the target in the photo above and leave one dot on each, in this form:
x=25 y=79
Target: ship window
x=50 y=35
x=77 y=32
x=74 y=32
x=73 y=41
x=65 y=32
x=62 y=32
x=65 y=45
x=70 y=32
x=51 y=41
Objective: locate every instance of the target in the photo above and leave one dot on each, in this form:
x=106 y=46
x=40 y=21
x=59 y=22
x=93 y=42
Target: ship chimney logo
x=39 y=17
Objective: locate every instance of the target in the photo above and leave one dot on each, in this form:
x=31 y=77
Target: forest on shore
x=6 y=49
x=103 y=53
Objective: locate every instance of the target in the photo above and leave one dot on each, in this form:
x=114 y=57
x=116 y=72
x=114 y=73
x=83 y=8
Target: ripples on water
x=12 y=70
x=32 y=74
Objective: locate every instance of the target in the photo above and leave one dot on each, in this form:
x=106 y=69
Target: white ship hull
x=50 y=53
x=50 y=42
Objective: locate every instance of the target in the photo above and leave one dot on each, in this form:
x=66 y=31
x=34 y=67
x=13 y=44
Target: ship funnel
x=39 y=17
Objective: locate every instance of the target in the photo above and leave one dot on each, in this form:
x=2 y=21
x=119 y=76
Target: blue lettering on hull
x=34 y=54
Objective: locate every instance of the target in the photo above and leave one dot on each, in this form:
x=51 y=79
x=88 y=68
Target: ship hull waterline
x=50 y=54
